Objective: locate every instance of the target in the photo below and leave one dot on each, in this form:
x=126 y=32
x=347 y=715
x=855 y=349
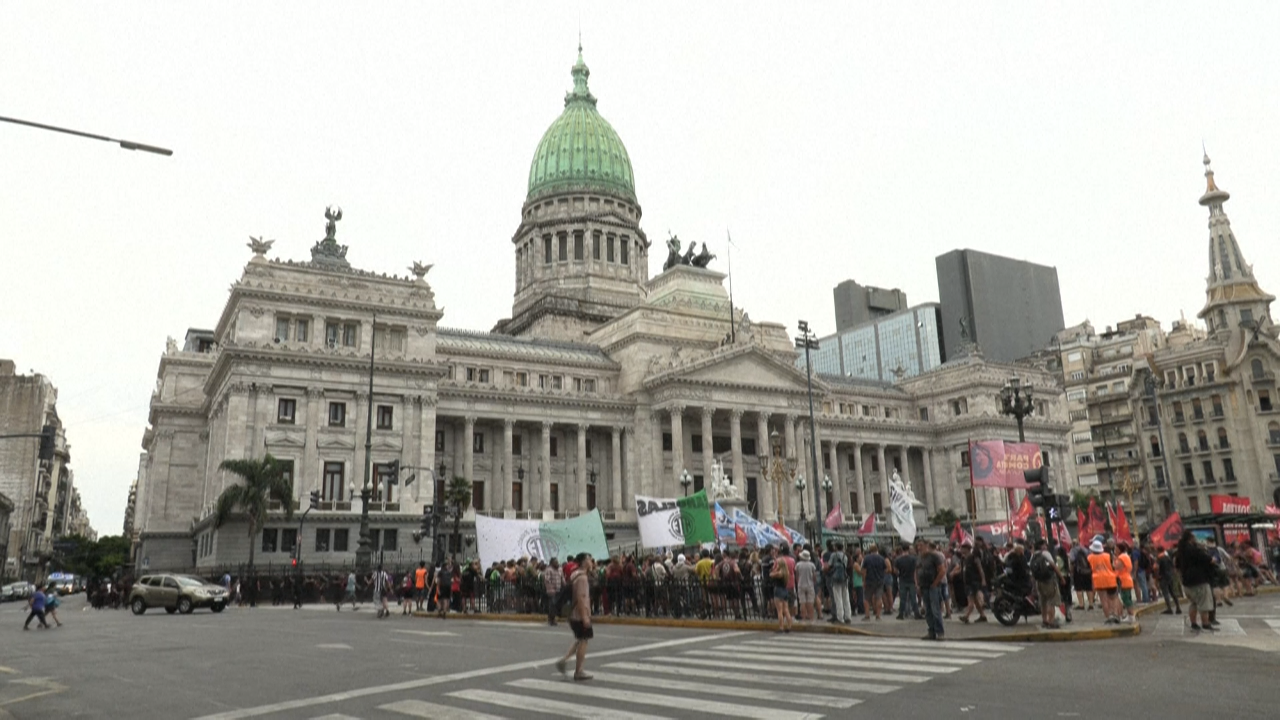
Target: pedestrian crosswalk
x=1177 y=627
x=786 y=677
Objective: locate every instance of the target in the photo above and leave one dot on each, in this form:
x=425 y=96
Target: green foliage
x=264 y=481
x=457 y=493
x=1080 y=499
x=93 y=559
x=945 y=517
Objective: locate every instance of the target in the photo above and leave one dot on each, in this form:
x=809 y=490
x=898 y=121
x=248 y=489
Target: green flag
x=696 y=519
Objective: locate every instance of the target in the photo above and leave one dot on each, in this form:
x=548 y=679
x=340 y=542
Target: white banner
x=659 y=521
x=503 y=540
x=904 y=520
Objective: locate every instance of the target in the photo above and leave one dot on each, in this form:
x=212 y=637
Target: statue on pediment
x=687 y=258
x=420 y=271
x=328 y=252
x=259 y=246
x=673 y=252
x=703 y=258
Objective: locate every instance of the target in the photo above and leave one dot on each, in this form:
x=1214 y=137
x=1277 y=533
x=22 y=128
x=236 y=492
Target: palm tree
x=457 y=495
x=944 y=518
x=264 y=481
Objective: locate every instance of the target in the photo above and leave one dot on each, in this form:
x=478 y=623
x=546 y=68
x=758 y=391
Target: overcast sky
x=833 y=140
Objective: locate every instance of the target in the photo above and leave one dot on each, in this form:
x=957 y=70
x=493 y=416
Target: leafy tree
x=457 y=495
x=264 y=481
x=944 y=517
x=1080 y=500
x=89 y=558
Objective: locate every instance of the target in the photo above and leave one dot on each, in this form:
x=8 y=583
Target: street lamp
x=685 y=481
x=826 y=490
x=1016 y=401
x=364 y=551
x=808 y=341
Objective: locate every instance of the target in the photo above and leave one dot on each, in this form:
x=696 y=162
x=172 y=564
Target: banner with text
x=996 y=463
x=500 y=540
x=1229 y=505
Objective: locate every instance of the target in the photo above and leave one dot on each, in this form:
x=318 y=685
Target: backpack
x=838 y=570
x=1081 y=565
x=1041 y=568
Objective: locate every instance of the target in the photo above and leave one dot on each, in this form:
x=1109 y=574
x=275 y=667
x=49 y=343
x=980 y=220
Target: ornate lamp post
x=800 y=487
x=777 y=471
x=364 y=551
x=826 y=490
x=685 y=481
x=808 y=341
x=1016 y=401
x=1129 y=485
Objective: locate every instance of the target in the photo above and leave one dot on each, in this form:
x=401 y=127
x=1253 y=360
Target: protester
x=904 y=569
x=975 y=579
x=1196 y=567
x=1124 y=577
x=1104 y=581
x=580 y=619
x=837 y=573
x=806 y=590
x=1044 y=570
x=36 y=602
x=929 y=576
x=784 y=576
x=874 y=568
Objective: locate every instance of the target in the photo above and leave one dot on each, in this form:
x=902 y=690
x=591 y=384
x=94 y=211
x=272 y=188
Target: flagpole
x=733 y=326
x=973 y=519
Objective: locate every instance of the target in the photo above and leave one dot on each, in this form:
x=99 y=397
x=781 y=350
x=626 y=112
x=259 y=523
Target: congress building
x=604 y=383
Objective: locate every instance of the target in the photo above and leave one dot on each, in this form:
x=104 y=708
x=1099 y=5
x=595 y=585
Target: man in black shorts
x=580 y=617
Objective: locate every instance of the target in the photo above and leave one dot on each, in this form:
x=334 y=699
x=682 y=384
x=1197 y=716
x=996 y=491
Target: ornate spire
x=1212 y=195
x=580 y=73
x=1231 y=281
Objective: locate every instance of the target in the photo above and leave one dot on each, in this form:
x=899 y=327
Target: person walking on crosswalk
x=580 y=618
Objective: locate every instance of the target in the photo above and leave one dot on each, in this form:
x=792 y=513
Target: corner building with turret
x=604 y=383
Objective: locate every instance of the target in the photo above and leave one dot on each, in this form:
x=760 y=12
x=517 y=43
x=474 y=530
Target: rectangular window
x=721 y=444
x=542 y=382
x=522 y=379
x=303 y=331
x=608 y=249
x=577 y=384
x=288 y=539
x=477 y=442
x=332 y=487
x=875 y=461
x=589 y=385
x=546 y=249
x=383 y=475
x=341 y=539
x=555 y=497
x=749 y=447
x=564 y=247
x=375 y=538
x=588 y=446
x=477 y=495
x=924 y=414
x=332 y=334
x=555 y=446
x=471 y=374
x=439 y=441
x=1160 y=478
x=1228 y=470
x=697 y=483
x=282 y=329
x=337 y=414
x=964 y=460
x=557 y=382
x=624 y=255
x=517 y=444
x=269 y=540
x=1194 y=502
x=322 y=539
x=390 y=541
x=595 y=246
x=286 y=409
x=484 y=375
x=879 y=503
x=1188 y=475
x=517 y=496
x=1264 y=401
x=666 y=442
x=577 y=246
x=385 y=413
x=1208 y=472
x=695 y=442
x=350 y=332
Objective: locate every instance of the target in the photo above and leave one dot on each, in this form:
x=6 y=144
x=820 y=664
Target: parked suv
x=175 y=593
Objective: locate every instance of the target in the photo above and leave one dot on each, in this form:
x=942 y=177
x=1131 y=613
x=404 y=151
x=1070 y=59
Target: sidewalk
x=1087 y=626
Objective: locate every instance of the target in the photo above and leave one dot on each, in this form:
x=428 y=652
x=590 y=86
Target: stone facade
x=605 y=383
x=39 y=490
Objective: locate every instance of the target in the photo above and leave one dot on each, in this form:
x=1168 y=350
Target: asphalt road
x=318 y=663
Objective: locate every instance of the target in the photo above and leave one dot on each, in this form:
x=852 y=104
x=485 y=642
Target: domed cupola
x=581 y=151
x=581 y=257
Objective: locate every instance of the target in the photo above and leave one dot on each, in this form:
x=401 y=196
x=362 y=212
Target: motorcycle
x=1009 y=605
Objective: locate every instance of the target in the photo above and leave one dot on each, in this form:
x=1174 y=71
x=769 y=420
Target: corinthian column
x=708 y=456
x=735 y=447
x=677 y=443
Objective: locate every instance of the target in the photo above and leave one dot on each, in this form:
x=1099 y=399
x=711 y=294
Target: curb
x=823 y=628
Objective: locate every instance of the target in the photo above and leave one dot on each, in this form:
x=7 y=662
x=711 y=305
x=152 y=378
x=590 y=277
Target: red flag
x=782 y=530
x=868 y=525
x=834 y=518
x=1121 y=524
x=959 y=536
x=1167 y=535
x=1021 y=518
x=1097 y=521
x=1044 y=532
x=1064 y=536
x=739 y=535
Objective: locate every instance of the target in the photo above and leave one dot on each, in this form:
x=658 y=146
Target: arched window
x=1183 y=447
x=1222 y=439
x=1155 y=446
x=1273 y=432
x=1256 y=366
x=1202 y=440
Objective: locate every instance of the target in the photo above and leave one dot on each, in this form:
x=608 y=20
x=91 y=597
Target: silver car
x=175 y=593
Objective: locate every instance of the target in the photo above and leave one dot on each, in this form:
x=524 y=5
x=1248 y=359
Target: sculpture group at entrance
x=674 y=257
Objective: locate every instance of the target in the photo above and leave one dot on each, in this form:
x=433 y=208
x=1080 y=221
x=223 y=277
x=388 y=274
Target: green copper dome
x=580 y=151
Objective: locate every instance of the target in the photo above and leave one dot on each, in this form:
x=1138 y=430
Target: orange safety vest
x=1104 y=576
x=1125 y=571
x=420 y=578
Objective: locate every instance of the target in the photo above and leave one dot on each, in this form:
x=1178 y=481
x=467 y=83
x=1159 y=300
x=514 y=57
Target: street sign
x=65 y=545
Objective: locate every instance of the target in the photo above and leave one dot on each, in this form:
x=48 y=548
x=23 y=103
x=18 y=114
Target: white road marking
x=334 y=646
x=422 y=709
x=428 y=633
x=335 y=716
x=1170 y=626
x=446 y=679
x=1229 y=627
x=917 y=646
x=1275 y=625
x=769 y=665
x=850 y=653
x=702 y=688
x=699 y=704
x=828 y=662
x=544 y=705
x=960 y=645
x=761 y=679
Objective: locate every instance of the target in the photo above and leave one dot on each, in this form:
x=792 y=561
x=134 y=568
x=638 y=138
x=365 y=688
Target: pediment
x=335 y=441
x=277 y=437
x=751 y=367
x=383 y=442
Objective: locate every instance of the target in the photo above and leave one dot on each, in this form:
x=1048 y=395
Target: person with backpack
x=784 y=577
x=837 y=573
x=1047 y=578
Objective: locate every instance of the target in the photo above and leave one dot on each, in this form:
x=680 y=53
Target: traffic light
x=393 y=470
x=315 y=499
x=1038 y=492
x=48 y=437
x=425 y=523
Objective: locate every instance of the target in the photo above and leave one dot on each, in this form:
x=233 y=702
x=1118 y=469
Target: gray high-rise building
x=860 y=304
x=1010 y=308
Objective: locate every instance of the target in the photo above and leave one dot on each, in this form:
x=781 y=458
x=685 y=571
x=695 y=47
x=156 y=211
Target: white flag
x=659 y=521
x=904 y=520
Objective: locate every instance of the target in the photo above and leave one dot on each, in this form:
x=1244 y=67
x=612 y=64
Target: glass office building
x=900 y=345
